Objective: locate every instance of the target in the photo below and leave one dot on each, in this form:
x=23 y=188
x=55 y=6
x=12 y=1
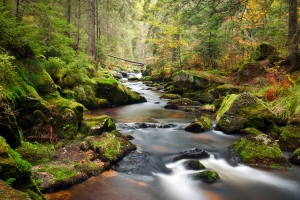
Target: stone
x=199 y=125
x=97 y=125
x=207 y=176
x=194 y=153
x=193 y=165
x=295 y=157
x=250 y=71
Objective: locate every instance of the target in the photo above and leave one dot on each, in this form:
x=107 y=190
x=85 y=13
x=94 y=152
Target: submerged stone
x=194 y=153
x=193 y=165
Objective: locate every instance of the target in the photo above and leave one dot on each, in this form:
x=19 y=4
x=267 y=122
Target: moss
x=249 y=71
x=260 y=150
x=97 y=125
x=170 y=96
x=9 y=130
x=8 y=193
x=206 y=176
x=295 y=157
x=226 y=89
x=289 y=139
x=59 y=173
x=252 y=131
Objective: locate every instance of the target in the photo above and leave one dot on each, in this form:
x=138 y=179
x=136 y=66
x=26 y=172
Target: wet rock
x=251 y=131
x=194 y=153
x=206 y=98
x=289 y=139
x=295 y=157
x=242 y=111
x=258 y=151
x=207 y=176
x=137 y=162
x=97 y=125
x=193 y=165
x=199 y=125
x=162 y=125
x=177 y=103
x=143 y=125
x=129 y=137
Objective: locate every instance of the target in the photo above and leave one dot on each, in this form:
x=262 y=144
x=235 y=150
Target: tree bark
x=69 y=12
x=292 y=35
x=78 y=24
x=18 y=9
x=91 y=34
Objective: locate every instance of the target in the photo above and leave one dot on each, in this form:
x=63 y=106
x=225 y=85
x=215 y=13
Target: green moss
x=207 y=176
x=226 y=103
x=97 y=125
x=289 y=138
x=23 y=166
x=252 y=131
x=60 y=173
x=170 y=96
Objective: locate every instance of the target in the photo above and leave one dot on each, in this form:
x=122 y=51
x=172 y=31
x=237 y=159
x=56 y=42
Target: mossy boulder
x=170 y=96
x=258 y=151
x=97 y=125
x=208 y=108
x=264 y=50
x=189 y=80
x=251 y=131
x=277 y=60
x=207 y=176
x=199 y=125
x=289 y=139
x=108 y=147
x=295 y=157
x=116 y=93
x=7 y=193
x=250 y=71
x=206 y=98
x=9 y=130
x=241 y=111
x=193 y=165
x=226 y=89
x=177 y=103
x=16 y=171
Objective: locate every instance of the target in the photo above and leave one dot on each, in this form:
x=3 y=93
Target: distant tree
x=292 y=35
x=91 y=29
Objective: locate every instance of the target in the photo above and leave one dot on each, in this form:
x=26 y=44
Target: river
x=235 y=183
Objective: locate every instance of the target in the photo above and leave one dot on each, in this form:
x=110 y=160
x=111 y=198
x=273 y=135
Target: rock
x=117 y=75
x=7 y=192
x=193 y=165
x=289 y=139
x=226 y=89
x=250 y=71
x=170 y=96
x=251 y=131
x=129 y=137
x=277 y=60
x=264 y=50
x=108 y=147
x=177 y=103
x=207 y=176
x=208 y=108
x=9 y=130
x=206 y=98
x=194 y=153
x=295 y=157
x=258 y=151
x=241 y=111
x=97 y=125
x=138 y=162
x=199 y=125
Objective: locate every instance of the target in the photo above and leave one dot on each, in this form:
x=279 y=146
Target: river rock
x=8 y=192
x=177 y=103
x=108 y=147
x=97 y=125
x=206 y=98
x=226 y=89
x=289 y=139
x=207 y=176
x=295 y=157
x=258 y=151
x=242 y=111
x=199 y=125
x=138 y=162
x=194 y=153
x=193 y=165
x=170 y=96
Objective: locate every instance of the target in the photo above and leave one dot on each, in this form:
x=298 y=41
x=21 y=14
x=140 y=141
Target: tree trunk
x=69 y=12
x=18 y=9
x=91 y=34
x=78 y=15
x=292 y=35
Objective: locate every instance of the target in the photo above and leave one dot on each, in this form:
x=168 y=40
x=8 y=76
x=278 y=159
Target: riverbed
x=236 y=182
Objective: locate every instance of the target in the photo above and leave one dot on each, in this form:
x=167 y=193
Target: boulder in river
x=97 y=125
x=207 y=176
x=295 y=157
x=182 y=102
x=194 y=153
x=241 y=111
x=258 y=151
x=289 y=139
x=193 y=165
x=199 y=125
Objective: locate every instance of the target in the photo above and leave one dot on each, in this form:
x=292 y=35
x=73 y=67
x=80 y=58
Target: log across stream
x=170 y=180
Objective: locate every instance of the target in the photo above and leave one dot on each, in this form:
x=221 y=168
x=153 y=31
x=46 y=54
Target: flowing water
x=236 y=182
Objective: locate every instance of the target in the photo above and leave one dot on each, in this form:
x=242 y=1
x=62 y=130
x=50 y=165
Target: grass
x=60 y=173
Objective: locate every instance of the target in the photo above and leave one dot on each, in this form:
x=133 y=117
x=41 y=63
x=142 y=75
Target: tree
x=91 y=29
x=292 y=35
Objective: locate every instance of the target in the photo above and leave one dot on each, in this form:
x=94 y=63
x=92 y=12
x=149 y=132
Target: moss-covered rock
x=193 y=165
x=242 y=111
x=207 y=176
x=208 y=108
x=196 y=80
x=250 y=71
x=199 y=125
x=259 y=151
x=295 y=157
x=97 y=125
x=7 y=193
x=9 y=130
x=251 y=131
x=226 y=89
x=264 y=50
x=109 y=147
x=116 y=93
x=177 y=103
x=206 y=98
x=170 y=96
x=277 y=60
x=289 y=139
x=17 y=172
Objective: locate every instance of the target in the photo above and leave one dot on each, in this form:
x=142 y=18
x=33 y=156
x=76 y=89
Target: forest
x=237 y=60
